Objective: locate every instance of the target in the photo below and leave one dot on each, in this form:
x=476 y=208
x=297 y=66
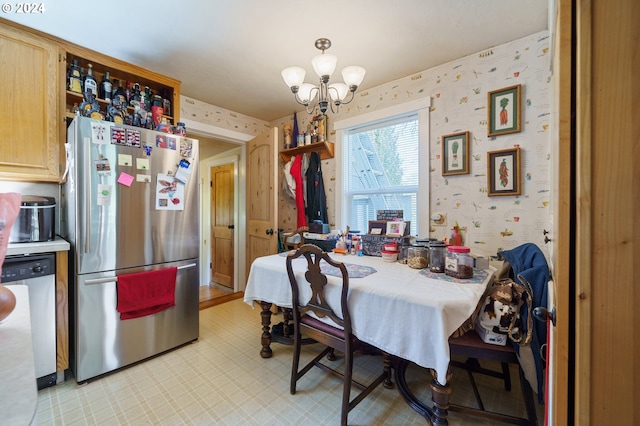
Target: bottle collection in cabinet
x=125 y=74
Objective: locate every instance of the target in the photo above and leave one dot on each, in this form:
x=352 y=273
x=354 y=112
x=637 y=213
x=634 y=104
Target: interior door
x=222 y=224
x=559 y=239
x=262 y=203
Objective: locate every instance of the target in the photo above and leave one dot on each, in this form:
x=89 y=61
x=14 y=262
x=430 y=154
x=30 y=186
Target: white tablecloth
x=396 y=309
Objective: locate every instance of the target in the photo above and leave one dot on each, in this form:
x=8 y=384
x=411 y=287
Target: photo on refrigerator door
x=169 y=193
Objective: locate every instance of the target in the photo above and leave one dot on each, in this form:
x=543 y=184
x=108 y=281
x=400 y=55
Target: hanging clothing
x=316 y=197
x=289 y=183
x=296 y=172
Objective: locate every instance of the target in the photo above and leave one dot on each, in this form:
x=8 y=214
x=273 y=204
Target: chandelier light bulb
x=324 y=64
x=307 y=93
x=353 y=75
x=338 y=91
x=293 y=76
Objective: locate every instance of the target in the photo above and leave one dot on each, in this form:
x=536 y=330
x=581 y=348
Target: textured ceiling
x=229 y=53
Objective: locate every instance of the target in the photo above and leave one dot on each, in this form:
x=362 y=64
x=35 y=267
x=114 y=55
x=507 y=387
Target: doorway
x=222 y=225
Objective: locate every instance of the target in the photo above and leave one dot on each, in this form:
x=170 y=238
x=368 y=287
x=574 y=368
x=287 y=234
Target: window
x=384 y=166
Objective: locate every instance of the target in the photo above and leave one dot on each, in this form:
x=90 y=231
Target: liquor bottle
x=157 y=109
x=166 y=103
x=106 y=87
x=116 y=89
x=75 y=80
x=127 y=93
x=90 y=83
x=147 y=98
x=135 y=95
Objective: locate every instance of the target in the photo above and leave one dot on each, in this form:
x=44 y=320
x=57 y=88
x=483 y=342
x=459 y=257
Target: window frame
x=421 y=108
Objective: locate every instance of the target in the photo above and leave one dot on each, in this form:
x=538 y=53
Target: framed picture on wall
x=504 y=111
x=455 y=154
x=503 y=177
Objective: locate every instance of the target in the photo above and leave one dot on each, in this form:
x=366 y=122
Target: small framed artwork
x=395 y=228
x=455 y=154
x=503 y=177
x=504 y=111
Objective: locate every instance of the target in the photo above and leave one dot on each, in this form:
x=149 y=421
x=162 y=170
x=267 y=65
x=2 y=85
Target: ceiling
x=229 y=53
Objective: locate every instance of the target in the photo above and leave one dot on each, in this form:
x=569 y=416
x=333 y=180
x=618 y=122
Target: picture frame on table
x=455 y=154
x=396 y=228
x=504 y=114
x=503 y=172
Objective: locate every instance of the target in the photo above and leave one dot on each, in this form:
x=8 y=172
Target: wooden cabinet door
x=262 y=203
x=29 y=126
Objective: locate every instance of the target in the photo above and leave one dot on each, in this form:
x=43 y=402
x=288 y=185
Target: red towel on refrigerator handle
x=146 y=293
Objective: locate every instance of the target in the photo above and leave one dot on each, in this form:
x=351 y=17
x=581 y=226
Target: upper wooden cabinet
x=29 y=109
x=35 y=105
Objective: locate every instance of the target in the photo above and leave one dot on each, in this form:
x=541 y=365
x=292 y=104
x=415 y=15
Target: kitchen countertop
x=18 y=388
x=59 y=244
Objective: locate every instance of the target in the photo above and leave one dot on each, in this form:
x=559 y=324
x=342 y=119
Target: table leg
x=440 y=395
x=265 y=340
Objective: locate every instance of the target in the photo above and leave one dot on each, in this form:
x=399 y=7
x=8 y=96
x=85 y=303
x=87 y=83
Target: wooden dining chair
x=294 y=239
x=471 y=346
x=336 y=337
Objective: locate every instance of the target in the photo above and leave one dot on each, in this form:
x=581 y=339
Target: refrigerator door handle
x=115 y=279
x=86 y=205
x=101 y=280
x=189 y=266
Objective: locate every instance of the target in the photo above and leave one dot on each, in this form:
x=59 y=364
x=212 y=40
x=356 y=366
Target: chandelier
x=329 y=95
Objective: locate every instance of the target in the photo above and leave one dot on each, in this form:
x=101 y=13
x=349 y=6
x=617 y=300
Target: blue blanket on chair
x=530 y=268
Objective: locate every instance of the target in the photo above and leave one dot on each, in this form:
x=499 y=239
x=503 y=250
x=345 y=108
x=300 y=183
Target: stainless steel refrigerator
x=130 y=204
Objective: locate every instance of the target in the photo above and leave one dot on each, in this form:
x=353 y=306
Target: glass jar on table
x=459 y=263
x=417 y=257
x=437 y=253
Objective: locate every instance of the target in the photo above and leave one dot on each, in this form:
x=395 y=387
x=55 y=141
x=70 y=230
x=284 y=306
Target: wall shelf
x=325 y=149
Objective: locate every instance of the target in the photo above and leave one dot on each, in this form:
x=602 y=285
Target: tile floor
x=221 y=380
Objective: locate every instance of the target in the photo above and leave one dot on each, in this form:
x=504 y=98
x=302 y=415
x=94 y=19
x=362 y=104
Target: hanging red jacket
x=296 y=172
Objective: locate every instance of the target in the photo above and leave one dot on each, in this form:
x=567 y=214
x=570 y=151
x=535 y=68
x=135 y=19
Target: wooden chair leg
x=529 y=402
x=346 y=391
x=476 y=393
x=331 y=356
x=297 y=345
x=507 y=376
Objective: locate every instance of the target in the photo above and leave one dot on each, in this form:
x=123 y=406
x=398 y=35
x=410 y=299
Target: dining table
x=406 y=312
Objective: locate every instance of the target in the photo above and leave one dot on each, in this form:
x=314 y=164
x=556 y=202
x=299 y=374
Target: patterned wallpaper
x=215 y=116
x=458 y=92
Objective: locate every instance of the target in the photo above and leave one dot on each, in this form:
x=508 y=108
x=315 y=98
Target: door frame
x=224 y=158
x=238 y=155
